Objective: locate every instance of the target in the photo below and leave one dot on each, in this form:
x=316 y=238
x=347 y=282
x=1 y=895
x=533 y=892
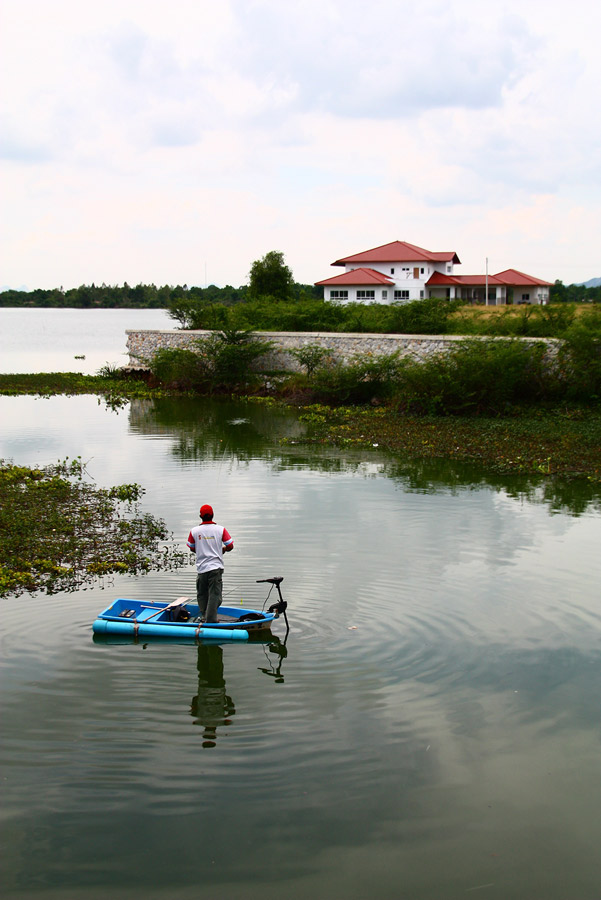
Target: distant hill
x=592 y=282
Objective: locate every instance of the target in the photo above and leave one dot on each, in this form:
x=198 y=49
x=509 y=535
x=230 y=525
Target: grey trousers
x=209 y=586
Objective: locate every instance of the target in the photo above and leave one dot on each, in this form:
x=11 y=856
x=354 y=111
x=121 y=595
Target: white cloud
x=388 y=60
x=143 y=139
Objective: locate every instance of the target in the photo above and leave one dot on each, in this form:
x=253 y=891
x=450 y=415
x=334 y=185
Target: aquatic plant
x=59 y=532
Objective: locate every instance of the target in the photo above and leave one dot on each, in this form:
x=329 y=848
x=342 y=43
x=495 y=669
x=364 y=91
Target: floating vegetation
x=59 y=532
x=544 y=442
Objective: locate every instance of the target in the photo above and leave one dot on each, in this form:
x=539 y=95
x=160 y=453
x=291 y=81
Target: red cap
x=206 y=511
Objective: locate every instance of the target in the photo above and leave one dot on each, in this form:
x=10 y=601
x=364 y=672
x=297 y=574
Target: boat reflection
x=279 y=653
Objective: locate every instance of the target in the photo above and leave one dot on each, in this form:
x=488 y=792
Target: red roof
x=358 y=276
x=512 y=276
x=398 y=251
x=438 y=278
x=508 y=278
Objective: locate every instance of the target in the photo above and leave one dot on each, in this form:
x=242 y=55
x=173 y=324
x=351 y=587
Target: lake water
x=70 y=340
x=430 y=729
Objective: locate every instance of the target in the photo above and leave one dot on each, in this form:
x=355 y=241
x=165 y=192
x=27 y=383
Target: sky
x=177 y=142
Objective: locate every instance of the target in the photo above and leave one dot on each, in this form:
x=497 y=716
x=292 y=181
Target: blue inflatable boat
x=180 y=619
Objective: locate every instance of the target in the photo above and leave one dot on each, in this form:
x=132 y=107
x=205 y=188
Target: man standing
x=209 y=541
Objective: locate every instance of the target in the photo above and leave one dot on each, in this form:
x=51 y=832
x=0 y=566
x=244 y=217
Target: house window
x=526 y=298
x=449 y=268
x=405 y=269
x=421 y=271
x=338 y=295
x=421 y=295
x=392 y=271
x=384 y=295
x=366 y=295
x=401 y=295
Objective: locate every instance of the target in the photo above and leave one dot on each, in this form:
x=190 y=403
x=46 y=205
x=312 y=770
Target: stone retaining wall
x=142 y=345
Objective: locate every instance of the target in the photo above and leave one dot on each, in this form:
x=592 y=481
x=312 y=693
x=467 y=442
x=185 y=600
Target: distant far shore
x=174 y=297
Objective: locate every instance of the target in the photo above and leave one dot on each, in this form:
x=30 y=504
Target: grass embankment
x=543 y=321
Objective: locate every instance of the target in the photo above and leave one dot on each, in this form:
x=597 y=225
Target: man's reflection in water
x=212 y=706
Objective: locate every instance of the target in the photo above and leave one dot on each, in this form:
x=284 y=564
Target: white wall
x=403 y=276
x=352 y=294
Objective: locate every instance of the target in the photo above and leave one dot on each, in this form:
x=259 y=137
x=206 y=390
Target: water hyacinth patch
x=87 y=531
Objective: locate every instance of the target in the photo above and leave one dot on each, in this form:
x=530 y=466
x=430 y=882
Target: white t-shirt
x=207 y=540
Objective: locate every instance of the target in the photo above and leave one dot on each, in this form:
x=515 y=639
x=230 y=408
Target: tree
x=271 y=277
x=558 y=292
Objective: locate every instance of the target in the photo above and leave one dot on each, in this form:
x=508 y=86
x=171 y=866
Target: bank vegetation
x=501 y=402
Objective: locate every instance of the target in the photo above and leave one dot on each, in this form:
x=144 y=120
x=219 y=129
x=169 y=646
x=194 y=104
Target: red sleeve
x=191 y=542
x=227 y=538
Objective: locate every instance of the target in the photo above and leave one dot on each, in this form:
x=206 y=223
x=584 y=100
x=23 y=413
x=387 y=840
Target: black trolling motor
x=280 y=607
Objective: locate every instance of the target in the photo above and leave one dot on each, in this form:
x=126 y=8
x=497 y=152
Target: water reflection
x=206 y=431
x=442 y=683
x=212 y=707
x=279 y=653
x=574 y=496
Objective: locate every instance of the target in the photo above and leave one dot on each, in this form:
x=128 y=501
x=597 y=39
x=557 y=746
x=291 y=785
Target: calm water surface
x=430 y=728
x=70 y=340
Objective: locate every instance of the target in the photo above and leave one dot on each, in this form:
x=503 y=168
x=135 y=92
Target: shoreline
x=563 y=442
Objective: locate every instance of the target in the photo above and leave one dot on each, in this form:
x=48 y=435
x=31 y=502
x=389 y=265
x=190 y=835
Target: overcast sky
x=176 y=142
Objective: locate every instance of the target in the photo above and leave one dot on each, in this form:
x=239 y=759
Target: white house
x=400 y=272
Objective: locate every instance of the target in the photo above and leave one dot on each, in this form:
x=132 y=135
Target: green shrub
x=294 y=315
x=523 y=321
x=178 y=369
x=361 y=380
x=222 y=361
x=196 y=313
x=480 y=377
x=311 y=356
x=554 y=320
x=421 y=316
x=532 y=321
x=231 y=356
x=109 y=371
x=313 y=314
x=580 y=361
